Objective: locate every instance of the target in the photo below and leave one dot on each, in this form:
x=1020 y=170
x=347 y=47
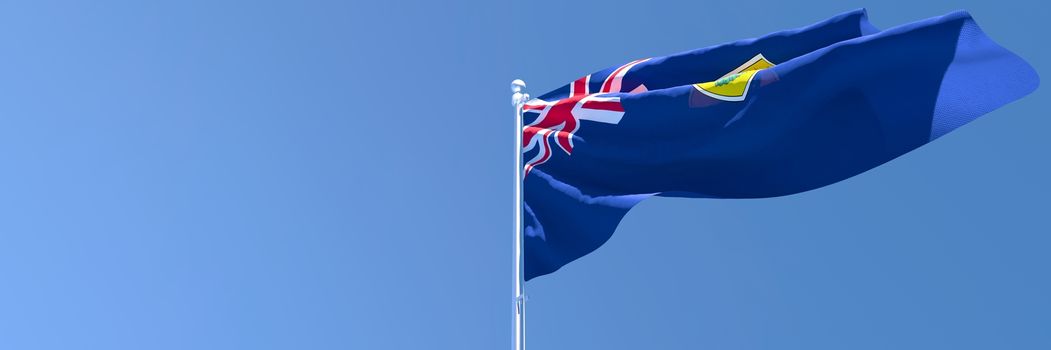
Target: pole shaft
x=518 y=100
x=519 y=302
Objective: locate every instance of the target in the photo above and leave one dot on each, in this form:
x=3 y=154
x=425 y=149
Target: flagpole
x=518 y=100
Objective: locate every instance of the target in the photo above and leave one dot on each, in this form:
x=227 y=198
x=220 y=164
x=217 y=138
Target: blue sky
x=337 y=175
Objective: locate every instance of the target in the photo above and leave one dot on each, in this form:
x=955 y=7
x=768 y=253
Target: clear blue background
x=338 y=175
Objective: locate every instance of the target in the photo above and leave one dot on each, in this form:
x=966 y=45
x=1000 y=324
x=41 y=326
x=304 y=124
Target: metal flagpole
x=518 y=100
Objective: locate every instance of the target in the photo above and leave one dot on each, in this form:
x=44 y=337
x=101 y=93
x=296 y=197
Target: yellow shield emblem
x=734 y=85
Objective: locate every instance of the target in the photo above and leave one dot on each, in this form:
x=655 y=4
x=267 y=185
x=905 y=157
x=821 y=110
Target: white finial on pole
x=518 y=99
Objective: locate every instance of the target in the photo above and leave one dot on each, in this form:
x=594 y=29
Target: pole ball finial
x=517 y=85
x=519 y=97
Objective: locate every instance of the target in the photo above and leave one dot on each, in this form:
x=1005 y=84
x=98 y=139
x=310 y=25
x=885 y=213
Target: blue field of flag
x=772 y=116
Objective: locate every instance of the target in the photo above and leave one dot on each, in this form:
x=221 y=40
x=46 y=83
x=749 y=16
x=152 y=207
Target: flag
x=772 y=116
